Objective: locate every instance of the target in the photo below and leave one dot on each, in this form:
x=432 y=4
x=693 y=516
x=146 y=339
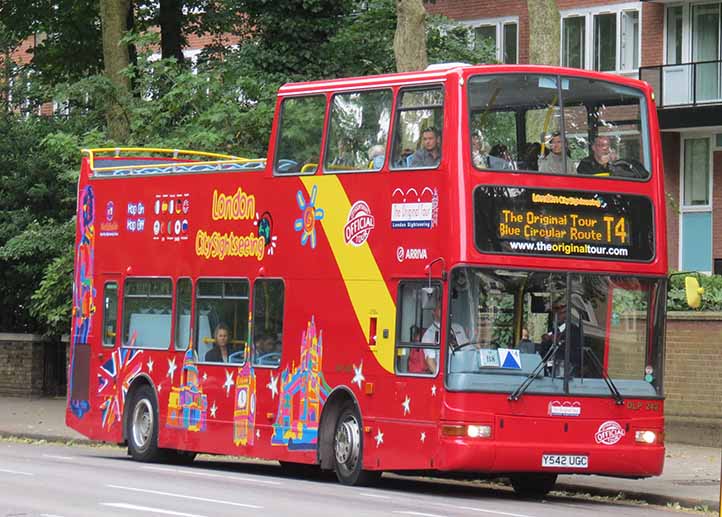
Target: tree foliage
x=224 y=105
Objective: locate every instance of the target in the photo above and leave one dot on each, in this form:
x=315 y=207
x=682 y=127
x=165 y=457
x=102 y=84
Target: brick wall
x=692 y=371
x=652 y=34
x=22 y=365
x=484 y=9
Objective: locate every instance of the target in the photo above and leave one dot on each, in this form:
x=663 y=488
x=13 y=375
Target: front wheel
x=534 y=486
x=348 y=450
x=142 y=422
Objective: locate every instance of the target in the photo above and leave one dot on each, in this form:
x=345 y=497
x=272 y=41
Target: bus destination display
x=566 y=223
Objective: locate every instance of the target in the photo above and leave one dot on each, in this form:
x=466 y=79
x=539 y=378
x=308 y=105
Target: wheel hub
x=142 y=423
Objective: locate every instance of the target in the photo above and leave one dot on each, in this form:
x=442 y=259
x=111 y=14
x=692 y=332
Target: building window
x=500 y=34
x=605 y=39
x=696 y=172
x=675 y=29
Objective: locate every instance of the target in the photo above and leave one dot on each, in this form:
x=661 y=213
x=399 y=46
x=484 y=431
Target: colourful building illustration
x=302 y=394
x=244 y=411
x=187 y=404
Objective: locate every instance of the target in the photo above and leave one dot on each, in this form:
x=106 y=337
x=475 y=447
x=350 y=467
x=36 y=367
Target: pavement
x=691 y=476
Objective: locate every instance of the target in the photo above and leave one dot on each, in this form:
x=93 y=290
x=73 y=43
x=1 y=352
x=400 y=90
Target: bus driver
x=457 y=338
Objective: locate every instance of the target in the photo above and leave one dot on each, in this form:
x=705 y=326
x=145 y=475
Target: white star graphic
x=258 y=433
x=214 y=408
x=423 y=437
x=433 y=390
x=379 y=438
x=229 y=382
x=150 y=365
x=358 y=375
x=205 y=376
x=171 y=369
x=160 y=387
x=273 y=386
x=406 y=404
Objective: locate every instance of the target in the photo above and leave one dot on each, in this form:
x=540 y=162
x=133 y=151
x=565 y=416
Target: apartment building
x=676 y=46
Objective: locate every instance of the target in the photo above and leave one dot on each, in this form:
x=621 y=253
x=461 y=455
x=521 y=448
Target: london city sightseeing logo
x=609 y=433
x=359 y=224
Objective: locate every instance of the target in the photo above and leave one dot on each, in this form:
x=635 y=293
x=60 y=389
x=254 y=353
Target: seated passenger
x=479 y=151
x=377 y=155
x=525 y=345
x=429 y=155
x=553 y=163
x=344 y=155
x=267 y=352
x=222 y=348
x=600 y=162
x=500 y=158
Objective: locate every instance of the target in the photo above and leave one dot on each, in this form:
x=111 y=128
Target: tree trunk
x=544 y=32
x=410 y=36
x=171 y=30
x=113 y=15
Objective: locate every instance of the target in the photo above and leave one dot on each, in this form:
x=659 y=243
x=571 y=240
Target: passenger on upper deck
x=554 y=161
x=479 y=151
x=500 y=158
x=376 y=156
x=601 y=160
x=430 y=153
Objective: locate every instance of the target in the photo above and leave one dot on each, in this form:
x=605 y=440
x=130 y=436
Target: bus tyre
x=534 y=486
x=142 y=424
x=348 y=449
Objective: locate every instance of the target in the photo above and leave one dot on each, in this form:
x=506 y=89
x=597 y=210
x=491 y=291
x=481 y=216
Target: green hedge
x=711 y=299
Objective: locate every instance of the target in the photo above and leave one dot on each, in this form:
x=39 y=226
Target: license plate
x=565 y=461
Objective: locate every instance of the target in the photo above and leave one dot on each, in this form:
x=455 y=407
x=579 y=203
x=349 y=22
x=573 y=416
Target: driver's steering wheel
x=269 y=359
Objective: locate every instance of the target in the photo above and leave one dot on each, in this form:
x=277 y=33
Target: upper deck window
x=358 y=131
x=299 y=135
x=419 y=119
x=558 y=125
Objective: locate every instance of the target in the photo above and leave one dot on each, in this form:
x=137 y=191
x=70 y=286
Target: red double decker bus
x=457 y=270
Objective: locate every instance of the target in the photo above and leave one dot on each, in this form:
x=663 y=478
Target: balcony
x=697 y=87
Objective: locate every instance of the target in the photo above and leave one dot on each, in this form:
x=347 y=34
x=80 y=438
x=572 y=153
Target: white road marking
x=125 y=506
x=494 y=512
x=58 y=457
x=183 y=496
x=378 y=496
x=211 y=475
x=419 y=513
x=49 y=515
x=19 y=473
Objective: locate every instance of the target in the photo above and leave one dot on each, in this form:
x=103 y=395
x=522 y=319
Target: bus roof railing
x=121 y=161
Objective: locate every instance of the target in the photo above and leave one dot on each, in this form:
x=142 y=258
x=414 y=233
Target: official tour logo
x=359 y=224
x=609 y=433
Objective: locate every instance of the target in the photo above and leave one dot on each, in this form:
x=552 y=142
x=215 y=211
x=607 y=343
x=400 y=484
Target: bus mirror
x=694 y=292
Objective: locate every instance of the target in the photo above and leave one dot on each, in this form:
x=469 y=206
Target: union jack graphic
x=114 y=379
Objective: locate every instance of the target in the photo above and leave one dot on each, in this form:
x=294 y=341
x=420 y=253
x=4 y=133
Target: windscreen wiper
x=519 y=391
x=607 y=379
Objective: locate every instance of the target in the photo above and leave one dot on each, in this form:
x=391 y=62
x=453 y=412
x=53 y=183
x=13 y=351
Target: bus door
x=408 y=421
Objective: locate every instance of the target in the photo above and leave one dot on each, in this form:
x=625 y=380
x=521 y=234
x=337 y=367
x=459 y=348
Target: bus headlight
x=478 y=431
x=648 y=437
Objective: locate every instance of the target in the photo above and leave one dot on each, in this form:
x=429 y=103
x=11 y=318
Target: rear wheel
x=534 y=486
x=142 y=422
x=348 y=449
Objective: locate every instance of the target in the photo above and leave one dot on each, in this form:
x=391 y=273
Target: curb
x=649 y=497
x=54 y=438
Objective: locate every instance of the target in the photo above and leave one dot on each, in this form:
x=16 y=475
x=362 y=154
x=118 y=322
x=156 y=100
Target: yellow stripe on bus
x=361 y=275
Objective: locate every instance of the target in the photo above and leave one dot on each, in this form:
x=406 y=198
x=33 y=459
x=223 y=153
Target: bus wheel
x=348 y=449
x=534 y=486
x=143 y=426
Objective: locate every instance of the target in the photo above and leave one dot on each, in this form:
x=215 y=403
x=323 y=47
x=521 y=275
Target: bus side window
x=268 y=298
x=298 y=148
x=417 y=336
x=418 y=111
x=110 y=313
x=183 y=295
x=147 y=306
x=222 y=320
